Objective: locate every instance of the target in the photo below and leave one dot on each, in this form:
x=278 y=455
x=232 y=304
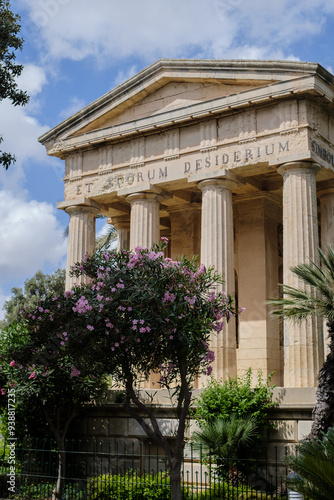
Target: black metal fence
x=135 y=470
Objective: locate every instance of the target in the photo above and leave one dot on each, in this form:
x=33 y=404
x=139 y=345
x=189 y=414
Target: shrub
x=236 y=396
x=131 y=486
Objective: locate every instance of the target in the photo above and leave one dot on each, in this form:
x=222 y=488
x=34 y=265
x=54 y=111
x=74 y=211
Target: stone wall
x=111 y=424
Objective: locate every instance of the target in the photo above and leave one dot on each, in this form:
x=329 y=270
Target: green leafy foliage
x=130 y=486
x=140 y=313
x=39 y=287
x=314 y=463
x=31 y=490
x=238 y=396
x=222 y=441
x=10 y=41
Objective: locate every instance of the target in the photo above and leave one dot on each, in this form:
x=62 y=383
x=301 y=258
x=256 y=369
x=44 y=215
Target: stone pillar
x=81 y=239
x=123 y=232
x=303 y=342
x=217 y=249
x=145 y=220
x=185 y=222
x=326 y=196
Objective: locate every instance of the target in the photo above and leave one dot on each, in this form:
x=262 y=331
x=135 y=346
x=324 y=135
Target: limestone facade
x=232 y=161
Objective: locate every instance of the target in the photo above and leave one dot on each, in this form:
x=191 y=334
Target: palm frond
x=315 y=297
x=314 y=462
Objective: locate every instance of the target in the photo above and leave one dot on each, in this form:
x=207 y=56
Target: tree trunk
x=175 y=478
x=58 y=491
x=323 y=413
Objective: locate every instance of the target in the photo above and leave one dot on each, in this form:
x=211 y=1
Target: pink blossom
x=3 y=392
x=168 y=297
x=90 y=327
x=75 y=372
x=164 y=240
x=142 y=329
x=171 y=337
x=12 y=363
x=33 y=375
x=138 y=340
x=82 y=305
x=120 y=285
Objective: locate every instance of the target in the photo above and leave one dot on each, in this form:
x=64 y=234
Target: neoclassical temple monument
x=231 y=160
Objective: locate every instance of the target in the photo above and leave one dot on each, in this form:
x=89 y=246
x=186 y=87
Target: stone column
x=145 y=220
x=123 y=232
x=81 y=239
x=217 y=249
x=303 y=342
x=326 y=196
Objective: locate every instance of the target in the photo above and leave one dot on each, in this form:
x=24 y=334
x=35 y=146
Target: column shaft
x=145 y=220
x=303 y=343
x=81 y=239
x=326 y=197
x=217 y=250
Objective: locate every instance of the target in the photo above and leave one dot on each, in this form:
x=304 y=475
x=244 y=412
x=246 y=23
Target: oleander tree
x=45 y=364
x=156 y=316
x=140 y=313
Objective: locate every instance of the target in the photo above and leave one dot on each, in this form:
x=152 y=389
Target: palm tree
x=222 y=439
x=316 y=299
x=314 y=465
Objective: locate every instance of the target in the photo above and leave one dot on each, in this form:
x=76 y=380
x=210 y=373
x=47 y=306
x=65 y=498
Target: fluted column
x=326 y=196
x=81 y=239
x=303 y=342
x=145 y=220
x=217 y=250
x=123 y=232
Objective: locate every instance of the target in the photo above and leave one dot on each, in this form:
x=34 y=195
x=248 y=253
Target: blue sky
x=76 y=50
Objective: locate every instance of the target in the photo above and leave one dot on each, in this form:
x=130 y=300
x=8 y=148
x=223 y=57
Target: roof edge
x=188 y=64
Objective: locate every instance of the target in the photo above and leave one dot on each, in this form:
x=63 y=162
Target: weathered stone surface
x=192 y=150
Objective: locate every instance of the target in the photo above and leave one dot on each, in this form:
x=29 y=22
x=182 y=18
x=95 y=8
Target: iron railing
x=135 y=470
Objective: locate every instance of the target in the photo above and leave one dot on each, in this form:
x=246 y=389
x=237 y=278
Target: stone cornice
x=277 y=79
x=192 y=112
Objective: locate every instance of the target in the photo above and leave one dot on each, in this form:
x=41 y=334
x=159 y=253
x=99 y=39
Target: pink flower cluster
x=82 y=305
x=168 y=297
x=74 y=371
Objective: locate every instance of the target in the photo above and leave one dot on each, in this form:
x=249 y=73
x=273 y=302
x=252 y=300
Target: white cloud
x=113 y=29
x=32 y=79
x=75 y=104
x=124 y=75
x=30 y=237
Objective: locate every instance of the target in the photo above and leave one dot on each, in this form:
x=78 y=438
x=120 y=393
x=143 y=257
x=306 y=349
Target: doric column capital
x=222 y=183
x=80 y=209
x=121 y=222
x=326 y=189
x=305 y=166
x=150 y=197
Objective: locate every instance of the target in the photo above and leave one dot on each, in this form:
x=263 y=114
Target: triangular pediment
x=173 y=95
x=170 y=91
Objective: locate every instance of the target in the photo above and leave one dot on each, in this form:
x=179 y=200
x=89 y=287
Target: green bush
x=31 y=490
x=236 y=396
x=131 y=486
